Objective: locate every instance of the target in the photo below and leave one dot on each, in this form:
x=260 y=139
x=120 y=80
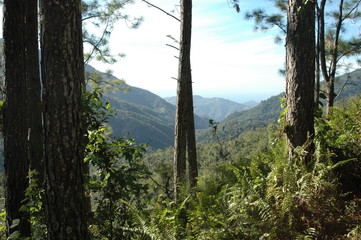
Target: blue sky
x=228 y=58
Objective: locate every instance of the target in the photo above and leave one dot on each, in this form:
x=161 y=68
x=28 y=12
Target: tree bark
x=184 y=127
x=62 y=75
x=191 y=141
x=33 y=91
x=300 y=77
x=180 y=140
x=318 y=64
x=15 y=129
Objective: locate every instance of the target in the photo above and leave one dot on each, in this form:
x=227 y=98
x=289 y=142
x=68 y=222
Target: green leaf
x=323 y=95
x=15 y=223
x=23 y=208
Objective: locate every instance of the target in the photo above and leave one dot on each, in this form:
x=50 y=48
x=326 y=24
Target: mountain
x=215 y=108
x=143 y=115
x=260 y=116
x=268 y=111
x=348 y=85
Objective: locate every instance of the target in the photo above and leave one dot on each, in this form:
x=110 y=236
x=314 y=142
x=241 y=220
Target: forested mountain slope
x=268 y=111
x=215 y=108
x=348 y=85
x=143 y=115
x=258 y=117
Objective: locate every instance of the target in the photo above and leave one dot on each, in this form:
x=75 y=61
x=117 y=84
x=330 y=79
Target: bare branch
x=172 y=46
x=160 y=9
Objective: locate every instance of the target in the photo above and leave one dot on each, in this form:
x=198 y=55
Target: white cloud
x=227 y=56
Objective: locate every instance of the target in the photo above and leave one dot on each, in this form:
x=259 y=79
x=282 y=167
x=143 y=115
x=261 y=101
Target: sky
x=228 y=58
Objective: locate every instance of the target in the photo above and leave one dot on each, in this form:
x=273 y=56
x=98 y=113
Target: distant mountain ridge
x=260 y=116
x=143 y=115
x=215 y=108
x=268 y=111
x=150 y=119
x=348 y=85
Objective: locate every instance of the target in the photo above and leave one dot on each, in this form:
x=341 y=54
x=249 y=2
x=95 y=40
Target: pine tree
x=300 y=76
x=15 y=127
x=332 y=47
x=184 y=124
x=62 y=75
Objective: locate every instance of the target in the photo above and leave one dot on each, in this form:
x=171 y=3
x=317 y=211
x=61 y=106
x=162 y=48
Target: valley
x=149 y=119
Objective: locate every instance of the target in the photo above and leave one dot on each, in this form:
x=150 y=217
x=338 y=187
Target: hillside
x=348 y=85
x=268 y=111
x=215 y=108
x=143 y=115
x=236 y=123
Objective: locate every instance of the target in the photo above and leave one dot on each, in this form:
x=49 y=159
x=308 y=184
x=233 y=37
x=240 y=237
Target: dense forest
x=288 y=168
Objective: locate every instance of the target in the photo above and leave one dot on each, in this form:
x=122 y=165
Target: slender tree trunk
x=300 y=77
x=318 y=66
x=180 y=140
x=187 y=75
x=184 y=129
x=330 y=95
x=191 y=140
x=334 y=59
x=329 y=75
x=63 y=75
x=15 y=129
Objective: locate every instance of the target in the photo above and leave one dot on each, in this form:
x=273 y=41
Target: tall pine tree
x=300 y=76
x=184 y=124
x=62 y=75
x=15 y=126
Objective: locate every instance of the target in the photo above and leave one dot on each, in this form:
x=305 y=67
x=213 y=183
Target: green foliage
x=33 y=203
x=96 y=111
x=169 y=219
x=143 y=115
x=2 y=209
x=257 y=192
x=99 y=18
x=265 y=21
x=116 y=182
x=340 y=139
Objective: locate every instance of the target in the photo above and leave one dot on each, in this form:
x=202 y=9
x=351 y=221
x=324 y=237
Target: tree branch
x=152 y=5
x=172 y=46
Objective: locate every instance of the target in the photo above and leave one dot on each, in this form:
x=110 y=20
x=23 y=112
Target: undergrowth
x=256 y=193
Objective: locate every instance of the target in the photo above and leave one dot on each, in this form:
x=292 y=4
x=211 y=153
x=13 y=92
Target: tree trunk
x=318 y=66
x=184 y=128
x=334 y=59
x=180 y=140
x=15 y=129
x=191 y=140
x=300 y=77
x=329 y=74
x=330 y=92
x=186 y=39
x=62 y=75
x=33 y=91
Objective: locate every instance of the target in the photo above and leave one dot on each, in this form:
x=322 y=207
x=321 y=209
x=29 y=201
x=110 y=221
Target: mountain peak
x=215 y=108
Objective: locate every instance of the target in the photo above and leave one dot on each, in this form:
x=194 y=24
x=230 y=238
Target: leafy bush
x=117 y=178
